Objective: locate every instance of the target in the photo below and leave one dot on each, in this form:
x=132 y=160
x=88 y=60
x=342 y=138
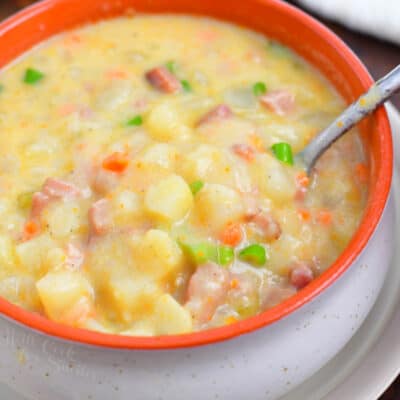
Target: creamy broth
x=146 y=177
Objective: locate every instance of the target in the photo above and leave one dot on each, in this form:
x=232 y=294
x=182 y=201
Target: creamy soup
x=147 y=182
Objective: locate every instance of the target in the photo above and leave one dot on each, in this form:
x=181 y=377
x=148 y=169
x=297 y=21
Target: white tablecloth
x=380 y=18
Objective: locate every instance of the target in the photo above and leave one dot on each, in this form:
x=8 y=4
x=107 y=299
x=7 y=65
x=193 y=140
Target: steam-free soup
x=147 y=183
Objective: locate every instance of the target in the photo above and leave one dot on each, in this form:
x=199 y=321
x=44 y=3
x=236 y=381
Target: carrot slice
x=304 y=214
x=234 y=283
x=31 y=229
x=232 y=234
x=325 y=217
x=116 y=162
x=302 y=179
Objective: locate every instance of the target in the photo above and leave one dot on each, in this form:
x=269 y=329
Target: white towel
x=380 y=18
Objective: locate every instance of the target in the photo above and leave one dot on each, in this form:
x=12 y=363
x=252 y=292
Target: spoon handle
x=366 y=104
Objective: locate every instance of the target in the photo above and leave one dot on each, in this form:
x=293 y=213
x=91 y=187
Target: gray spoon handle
x=365 y=105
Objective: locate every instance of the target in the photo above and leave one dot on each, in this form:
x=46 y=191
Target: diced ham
x=301 y=275
x=281 y=102
x=220 y=112
x=244 y=151
x=207 y=289
x=163 y=80
x=100 y=218
x=59 y=189
x=52 y=189
x=267 y=225
x=39 y=202
x=75 y=257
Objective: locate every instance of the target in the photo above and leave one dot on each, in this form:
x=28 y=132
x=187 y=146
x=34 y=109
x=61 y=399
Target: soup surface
x=147 y=184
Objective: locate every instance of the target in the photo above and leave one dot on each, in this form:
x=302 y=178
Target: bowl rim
x=367 y=227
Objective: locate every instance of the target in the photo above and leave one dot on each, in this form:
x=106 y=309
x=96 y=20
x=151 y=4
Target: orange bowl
x=277 y=20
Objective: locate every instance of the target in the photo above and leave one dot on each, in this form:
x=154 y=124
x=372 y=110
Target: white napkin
x=377 y=17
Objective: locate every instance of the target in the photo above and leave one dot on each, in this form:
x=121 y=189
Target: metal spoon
x=365 y=105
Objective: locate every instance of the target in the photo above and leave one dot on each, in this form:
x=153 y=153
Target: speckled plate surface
x=371 y=360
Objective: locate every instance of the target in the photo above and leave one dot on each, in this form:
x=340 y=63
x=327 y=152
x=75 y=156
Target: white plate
x=371 y=360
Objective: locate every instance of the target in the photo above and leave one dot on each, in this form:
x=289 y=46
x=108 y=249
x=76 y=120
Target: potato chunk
x=216 y=205
x=170 y=317
x=33 y=254
x=126 y=205
x=209 y=163
x=7 y=252
x=170 y=199
x=162 y=154
x=21 y=290
x=132 y=298
x=55 y=258
x=273 y=178
x=156 y=255
x=141 y=328
x=167 y=318
x=283 y=252
x=66 y=296
x=165 y=122
x=95 y=325
x=64 y=218
x=109 y=257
